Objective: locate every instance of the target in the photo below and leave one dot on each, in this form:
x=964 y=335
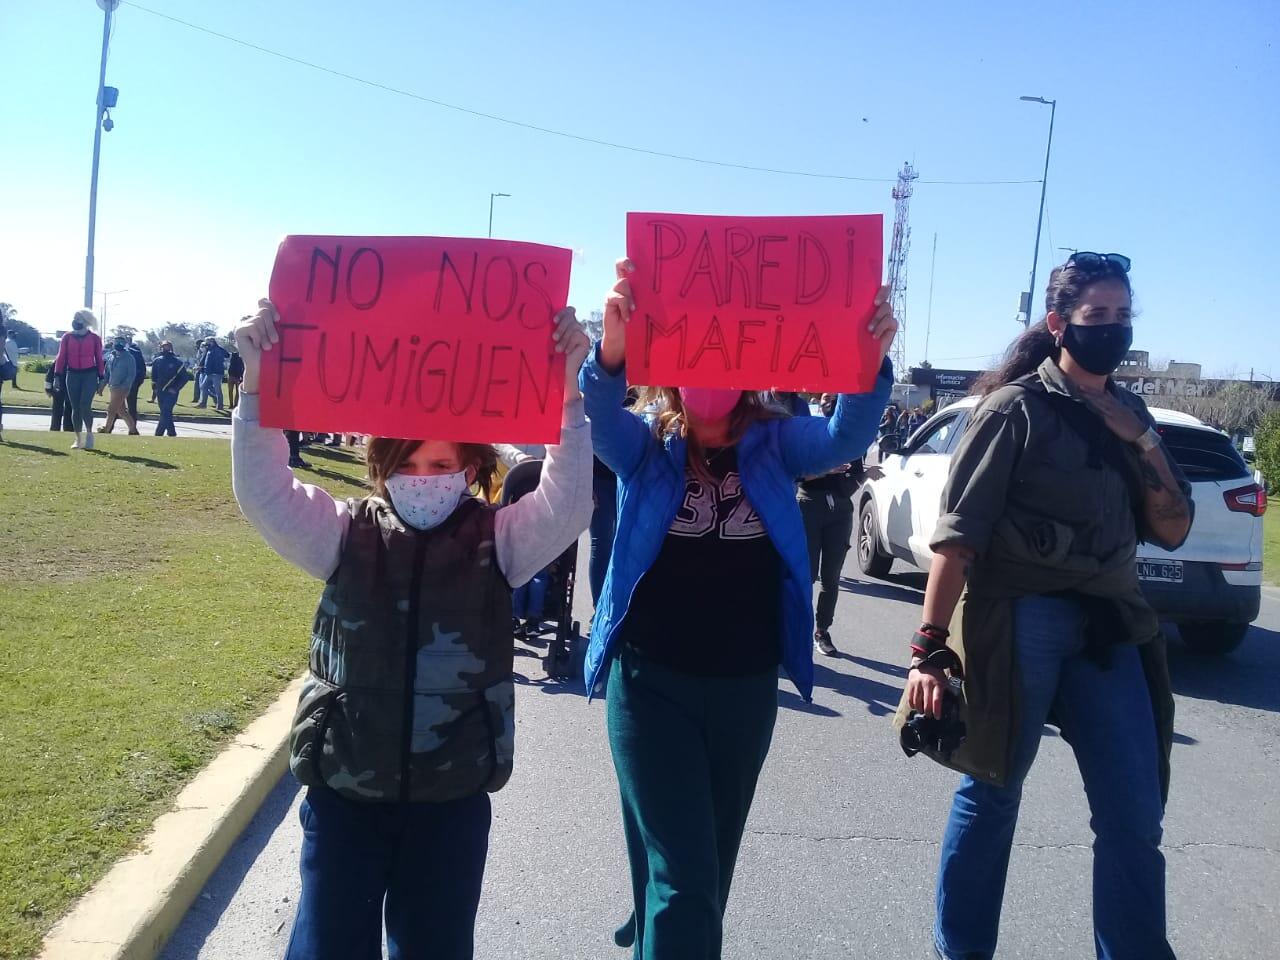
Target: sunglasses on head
x=1093 y=261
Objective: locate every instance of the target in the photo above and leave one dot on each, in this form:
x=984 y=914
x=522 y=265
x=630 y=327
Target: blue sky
x=1161 y=150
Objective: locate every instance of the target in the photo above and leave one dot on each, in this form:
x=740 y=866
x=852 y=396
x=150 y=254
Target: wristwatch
x=1148 y=441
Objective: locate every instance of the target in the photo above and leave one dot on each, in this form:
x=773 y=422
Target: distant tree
x=129 y=333
x=7 y=313
x=595 y=324
x=1267 y=449
x=25 y=334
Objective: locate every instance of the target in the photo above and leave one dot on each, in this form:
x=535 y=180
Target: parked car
x=1211 y=586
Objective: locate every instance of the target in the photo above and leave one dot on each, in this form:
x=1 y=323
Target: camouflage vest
x=410 y=696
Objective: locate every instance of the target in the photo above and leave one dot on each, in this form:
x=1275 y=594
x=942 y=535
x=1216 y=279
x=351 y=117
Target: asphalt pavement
x=841 y=849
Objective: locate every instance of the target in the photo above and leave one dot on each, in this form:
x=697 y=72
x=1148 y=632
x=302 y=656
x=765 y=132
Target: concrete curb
x=132 y=911
x=98 y=414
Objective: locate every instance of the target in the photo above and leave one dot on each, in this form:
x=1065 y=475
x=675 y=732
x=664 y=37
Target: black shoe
x=297 y=463
x=822 y=640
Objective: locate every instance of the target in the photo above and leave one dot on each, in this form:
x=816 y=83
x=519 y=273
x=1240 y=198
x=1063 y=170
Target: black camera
x=937 y=737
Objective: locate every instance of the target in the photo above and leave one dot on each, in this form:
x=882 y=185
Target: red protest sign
x=436 y=338
x=754 y=302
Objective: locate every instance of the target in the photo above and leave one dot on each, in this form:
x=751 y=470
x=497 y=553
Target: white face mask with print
x=426 y=502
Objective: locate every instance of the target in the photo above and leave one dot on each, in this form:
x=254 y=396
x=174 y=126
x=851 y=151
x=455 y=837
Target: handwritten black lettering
x=460 y=406
x=763 y=263
x=703 y=264
x=492 y=381
x=527 y=373
x=545 y=318
x=466 y=287
x=743 y=339
x=318 y=256
x=377 y=288
x=804 y=243
x=283 y=356
x=322 y=366
x=513 y=288
x=653 y=329
x=436 y=376
x=380 y=364
x=713 y=340
x=738 y=242
x=810 y=349
x=663 y=253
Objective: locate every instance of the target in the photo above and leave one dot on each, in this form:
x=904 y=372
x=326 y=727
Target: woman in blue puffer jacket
x=708 y=591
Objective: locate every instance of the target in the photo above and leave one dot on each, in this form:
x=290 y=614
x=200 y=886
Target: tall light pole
x=1044 y=185
x=104 y=294
x=491 y=196
x=99 y=112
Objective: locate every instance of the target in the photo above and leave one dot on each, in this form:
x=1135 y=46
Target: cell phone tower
x=898 y=251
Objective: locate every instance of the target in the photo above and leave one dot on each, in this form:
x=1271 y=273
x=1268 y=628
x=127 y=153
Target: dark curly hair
x=1067 y=285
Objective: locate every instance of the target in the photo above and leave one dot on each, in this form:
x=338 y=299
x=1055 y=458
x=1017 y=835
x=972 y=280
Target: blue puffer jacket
x=651 y=487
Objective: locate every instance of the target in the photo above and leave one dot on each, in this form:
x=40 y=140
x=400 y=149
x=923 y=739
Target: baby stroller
x=544 y=605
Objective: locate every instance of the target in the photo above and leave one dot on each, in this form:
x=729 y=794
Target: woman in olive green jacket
x=1059 y=473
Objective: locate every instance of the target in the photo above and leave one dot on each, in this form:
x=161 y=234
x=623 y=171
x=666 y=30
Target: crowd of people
x=712 y=514
x=85 y=367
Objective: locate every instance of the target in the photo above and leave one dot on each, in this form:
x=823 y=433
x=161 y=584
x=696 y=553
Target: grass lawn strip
x=142 y=624
x=1271 y=542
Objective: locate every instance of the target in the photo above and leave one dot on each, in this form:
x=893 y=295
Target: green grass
x=142 y=624
x=1271 y=541
x=30 y=392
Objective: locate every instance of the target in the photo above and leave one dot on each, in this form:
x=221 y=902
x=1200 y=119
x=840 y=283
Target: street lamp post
x=1044 y=185
x=104 y=294
x=108 y=6
x=491 y=196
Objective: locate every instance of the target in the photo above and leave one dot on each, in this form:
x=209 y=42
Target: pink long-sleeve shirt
x=80 y=353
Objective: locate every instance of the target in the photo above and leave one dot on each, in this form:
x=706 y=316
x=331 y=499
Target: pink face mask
x=709 y=403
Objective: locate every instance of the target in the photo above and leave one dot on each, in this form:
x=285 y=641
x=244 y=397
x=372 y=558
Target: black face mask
x=1098 y=348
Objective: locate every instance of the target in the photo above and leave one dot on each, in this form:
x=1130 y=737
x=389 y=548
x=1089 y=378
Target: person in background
x=707 y=594
x=791 y=403
x=11 y=349
x=213 y=366
x=139 y=378
x=80 y=360
x=119 y=382
x=4 y=366
x=604 y=521
x=888 y=422
x=826 y=506
x=406 y=721
x=1056 y=478
x=294 y=439
x=235 y=375
x=197 y=365
x=55 y=388
x=168 y=376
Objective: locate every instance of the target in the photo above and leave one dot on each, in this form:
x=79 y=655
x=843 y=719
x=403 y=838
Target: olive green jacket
x=1045 y=513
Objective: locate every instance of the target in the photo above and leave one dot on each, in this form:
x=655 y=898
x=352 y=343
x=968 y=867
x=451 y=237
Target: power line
x=398 y=91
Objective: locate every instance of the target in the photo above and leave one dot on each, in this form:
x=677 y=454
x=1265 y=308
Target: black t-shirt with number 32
x=711 y=604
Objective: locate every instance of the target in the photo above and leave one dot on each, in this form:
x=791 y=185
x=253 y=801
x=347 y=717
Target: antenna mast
x=898 y=251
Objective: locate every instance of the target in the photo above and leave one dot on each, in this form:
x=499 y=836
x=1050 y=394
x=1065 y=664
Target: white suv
x=1211 y=586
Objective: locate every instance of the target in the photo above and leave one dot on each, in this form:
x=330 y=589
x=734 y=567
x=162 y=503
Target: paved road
x=18 y=422
x=841 y=848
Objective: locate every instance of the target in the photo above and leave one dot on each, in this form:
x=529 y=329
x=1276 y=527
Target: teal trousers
x=688 y=751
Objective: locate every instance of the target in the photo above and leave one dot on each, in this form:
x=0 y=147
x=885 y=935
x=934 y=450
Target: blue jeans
x=166 y=399
x=1105 y=715
x=420 y=864
x=604 y=520
x=211 y=388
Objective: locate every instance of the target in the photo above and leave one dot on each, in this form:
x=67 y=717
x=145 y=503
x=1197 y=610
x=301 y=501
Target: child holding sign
x=406 y=720
x=708 y=591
